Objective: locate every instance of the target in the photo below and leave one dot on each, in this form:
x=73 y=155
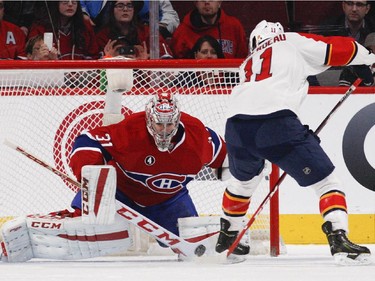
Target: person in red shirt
x=123 y=22
x=12 y=38
x=74 y=36
x=208 y=18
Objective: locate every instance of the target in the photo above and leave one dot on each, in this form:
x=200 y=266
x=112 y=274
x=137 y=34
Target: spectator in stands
x=207 y=47
x=351 y=73
x=73 y=35
x=96 y=11
x=122 y=47
x=208 y=18
x=12 y=38
x=123 y=22
x=20 y=13
x=370 y=42
x=36 y=49
x=353 y=22
x=168 y=17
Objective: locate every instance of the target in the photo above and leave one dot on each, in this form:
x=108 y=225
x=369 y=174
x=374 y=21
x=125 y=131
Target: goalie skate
x=343 y=250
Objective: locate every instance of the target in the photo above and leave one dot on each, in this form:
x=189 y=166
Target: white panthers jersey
x=273 y=77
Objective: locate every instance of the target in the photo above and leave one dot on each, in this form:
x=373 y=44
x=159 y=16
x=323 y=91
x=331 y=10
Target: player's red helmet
x=263 y=31
x=162 y=119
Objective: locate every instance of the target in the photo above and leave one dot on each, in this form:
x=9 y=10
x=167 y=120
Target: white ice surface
x=302 y=263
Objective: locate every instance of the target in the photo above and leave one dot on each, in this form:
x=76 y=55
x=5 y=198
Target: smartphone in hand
x=48 y=39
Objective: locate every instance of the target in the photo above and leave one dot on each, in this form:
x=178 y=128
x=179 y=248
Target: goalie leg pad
x=98 y=186
x=194 y=229
x=16 y=246
x=66 y=239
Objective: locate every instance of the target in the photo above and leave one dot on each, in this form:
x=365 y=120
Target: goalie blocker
x=100 y=231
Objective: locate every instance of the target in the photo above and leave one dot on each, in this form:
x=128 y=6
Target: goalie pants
x=164 y=214
x=279 y=138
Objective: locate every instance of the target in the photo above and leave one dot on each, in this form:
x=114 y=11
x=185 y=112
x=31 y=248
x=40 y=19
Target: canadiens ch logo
x=150 y=160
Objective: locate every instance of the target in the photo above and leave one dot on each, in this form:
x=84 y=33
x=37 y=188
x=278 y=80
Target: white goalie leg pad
x=15 y=244
x=98 y=186
x=194 y=229
x=75 y=240
x=52 y=237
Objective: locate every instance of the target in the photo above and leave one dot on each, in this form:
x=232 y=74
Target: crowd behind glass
x=89 y=30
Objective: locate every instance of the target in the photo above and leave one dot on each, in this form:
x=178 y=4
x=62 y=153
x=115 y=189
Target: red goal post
x=46 y=104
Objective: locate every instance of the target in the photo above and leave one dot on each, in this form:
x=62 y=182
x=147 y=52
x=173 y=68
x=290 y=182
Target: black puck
x=200 y=250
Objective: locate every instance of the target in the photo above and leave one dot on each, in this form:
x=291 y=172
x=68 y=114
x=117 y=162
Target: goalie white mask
x=263 y=31
x=162 y=119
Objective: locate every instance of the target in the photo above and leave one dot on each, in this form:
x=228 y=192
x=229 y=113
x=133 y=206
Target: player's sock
x=227 y=237
x=340 y=244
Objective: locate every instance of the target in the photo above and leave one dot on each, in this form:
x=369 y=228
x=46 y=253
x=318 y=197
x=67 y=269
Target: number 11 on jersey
x=265 y=66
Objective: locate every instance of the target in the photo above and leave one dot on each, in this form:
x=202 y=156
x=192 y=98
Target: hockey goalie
x=134 y=169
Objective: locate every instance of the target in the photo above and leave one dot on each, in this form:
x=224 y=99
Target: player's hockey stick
x=282 y=177
x=195 y=247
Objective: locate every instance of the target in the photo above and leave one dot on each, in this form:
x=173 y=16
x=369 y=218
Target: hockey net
x=45 y=105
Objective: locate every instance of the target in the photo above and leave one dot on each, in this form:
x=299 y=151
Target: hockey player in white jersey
x=263 y=124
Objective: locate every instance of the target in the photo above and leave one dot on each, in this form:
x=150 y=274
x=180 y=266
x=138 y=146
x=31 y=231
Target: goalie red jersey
x=145 y=174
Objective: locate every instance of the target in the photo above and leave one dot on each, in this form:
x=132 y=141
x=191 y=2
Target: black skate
x=342 y=249
x=226 y=239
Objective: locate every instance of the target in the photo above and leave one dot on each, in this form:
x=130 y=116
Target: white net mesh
x=43 y=110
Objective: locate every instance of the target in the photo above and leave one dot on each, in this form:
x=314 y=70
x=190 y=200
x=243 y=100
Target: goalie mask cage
x=46 y=104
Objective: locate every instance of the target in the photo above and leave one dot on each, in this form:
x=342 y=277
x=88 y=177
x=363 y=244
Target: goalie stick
x=282 y=177
x=42 y=163
x=195 y=247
